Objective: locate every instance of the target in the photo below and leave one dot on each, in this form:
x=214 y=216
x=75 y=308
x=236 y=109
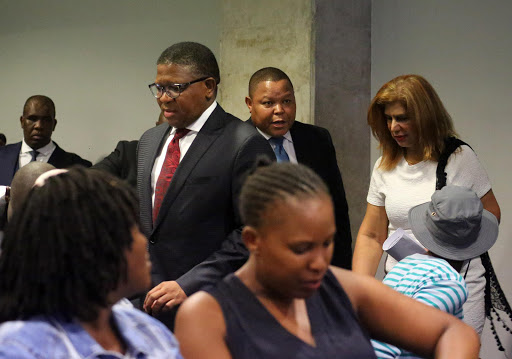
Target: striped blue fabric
x=429 y=280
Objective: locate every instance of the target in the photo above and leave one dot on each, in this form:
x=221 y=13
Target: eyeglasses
x=172 y=90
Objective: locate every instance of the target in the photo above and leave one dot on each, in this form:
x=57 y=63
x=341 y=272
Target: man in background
x=38 y=123
x=271 y=102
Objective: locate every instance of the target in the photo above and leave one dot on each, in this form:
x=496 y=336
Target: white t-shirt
x=407 y=185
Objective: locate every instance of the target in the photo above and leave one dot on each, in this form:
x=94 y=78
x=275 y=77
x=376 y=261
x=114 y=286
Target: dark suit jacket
x=195 y=239
x=122 y=162
x=9 y=156
x=314 y=148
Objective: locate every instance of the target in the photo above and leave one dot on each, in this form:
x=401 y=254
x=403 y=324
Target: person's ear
x=251 y=239
x=21 y=121
x=248 y=102
x=54 y=124
x=211 y=87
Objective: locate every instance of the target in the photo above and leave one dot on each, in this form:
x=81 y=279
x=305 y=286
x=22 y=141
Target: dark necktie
x=34 y=154
x=172 y=159
x=277 y=145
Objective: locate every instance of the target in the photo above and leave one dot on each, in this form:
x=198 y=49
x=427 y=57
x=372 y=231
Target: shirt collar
x=287 y=136
x=87 y=347
x=45 y=150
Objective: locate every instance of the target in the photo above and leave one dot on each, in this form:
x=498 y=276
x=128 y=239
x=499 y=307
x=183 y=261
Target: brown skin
x=103 y=329
x=179 y=113
x=272 y=107
x=192 y=102
x=403 y=130
x=38 y=123
x=161 y=119
x=287 y=257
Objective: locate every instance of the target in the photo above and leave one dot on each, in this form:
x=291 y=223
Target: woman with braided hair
x=415 y=134
x=287 y=302
x=69 y=254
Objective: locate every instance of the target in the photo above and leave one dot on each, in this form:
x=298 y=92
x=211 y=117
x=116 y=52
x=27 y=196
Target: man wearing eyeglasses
x=189 y=177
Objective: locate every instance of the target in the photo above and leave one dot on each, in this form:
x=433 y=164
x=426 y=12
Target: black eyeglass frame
x=165 y=89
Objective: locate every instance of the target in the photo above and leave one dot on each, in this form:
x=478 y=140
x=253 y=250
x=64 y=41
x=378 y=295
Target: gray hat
x=454 y=224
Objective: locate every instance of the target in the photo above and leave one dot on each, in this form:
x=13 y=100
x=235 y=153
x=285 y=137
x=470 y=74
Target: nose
x=278 y=108
x=393 y=125
x=320 y=260
x=165 y=98
x=38 y=124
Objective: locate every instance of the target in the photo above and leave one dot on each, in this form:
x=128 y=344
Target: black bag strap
x=450 y=145
x=494 y=295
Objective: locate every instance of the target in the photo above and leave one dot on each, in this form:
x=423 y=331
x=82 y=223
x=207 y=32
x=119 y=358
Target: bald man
x=21 y=184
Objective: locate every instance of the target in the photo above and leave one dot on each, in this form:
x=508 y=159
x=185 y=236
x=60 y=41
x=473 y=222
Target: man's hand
x=163 y=297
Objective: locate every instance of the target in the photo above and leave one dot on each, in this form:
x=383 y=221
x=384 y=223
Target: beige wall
x=95 y=59
x=258 y=34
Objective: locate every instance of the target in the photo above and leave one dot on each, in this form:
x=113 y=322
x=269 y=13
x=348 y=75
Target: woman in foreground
x=287 y=302
x=72 y=251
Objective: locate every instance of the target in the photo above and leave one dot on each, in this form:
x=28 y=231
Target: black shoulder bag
x=494 y=297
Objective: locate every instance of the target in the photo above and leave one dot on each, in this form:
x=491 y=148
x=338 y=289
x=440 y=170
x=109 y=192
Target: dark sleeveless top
x=252 y=332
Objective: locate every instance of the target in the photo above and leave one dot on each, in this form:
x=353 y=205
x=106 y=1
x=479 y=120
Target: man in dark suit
x=271 y=102
x=122 y=162
x=38 y=123
x=193 y=225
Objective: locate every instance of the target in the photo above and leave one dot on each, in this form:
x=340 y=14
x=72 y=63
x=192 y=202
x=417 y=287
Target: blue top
x=45 y=337
x=252 y=332
x=429 y=280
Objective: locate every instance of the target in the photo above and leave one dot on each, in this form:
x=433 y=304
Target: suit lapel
x=11 y=156
x=300 y=144
x=210 y=131
x=56 y=157
x=146 y=155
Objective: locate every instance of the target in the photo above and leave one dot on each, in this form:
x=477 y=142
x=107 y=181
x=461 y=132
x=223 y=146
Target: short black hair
x=43 y=100
x=3 y=138
x=198 y=57
x=64 y=252
x=271 y=182
x=267 y=74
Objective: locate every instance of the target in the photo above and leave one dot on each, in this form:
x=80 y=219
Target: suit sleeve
x=342 y=256
x=113 y=162
x=233 y=253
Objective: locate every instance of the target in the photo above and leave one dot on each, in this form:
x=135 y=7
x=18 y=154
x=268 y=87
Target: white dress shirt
x=44 y=154
x=287 y=145
x=184 y=143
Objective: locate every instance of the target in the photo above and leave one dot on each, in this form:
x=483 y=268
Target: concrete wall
x=95 y=59
x=464 y=48
x=258 y=34
x=342 y=92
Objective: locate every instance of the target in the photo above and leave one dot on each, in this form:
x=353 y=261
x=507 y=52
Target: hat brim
x=486 y=237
